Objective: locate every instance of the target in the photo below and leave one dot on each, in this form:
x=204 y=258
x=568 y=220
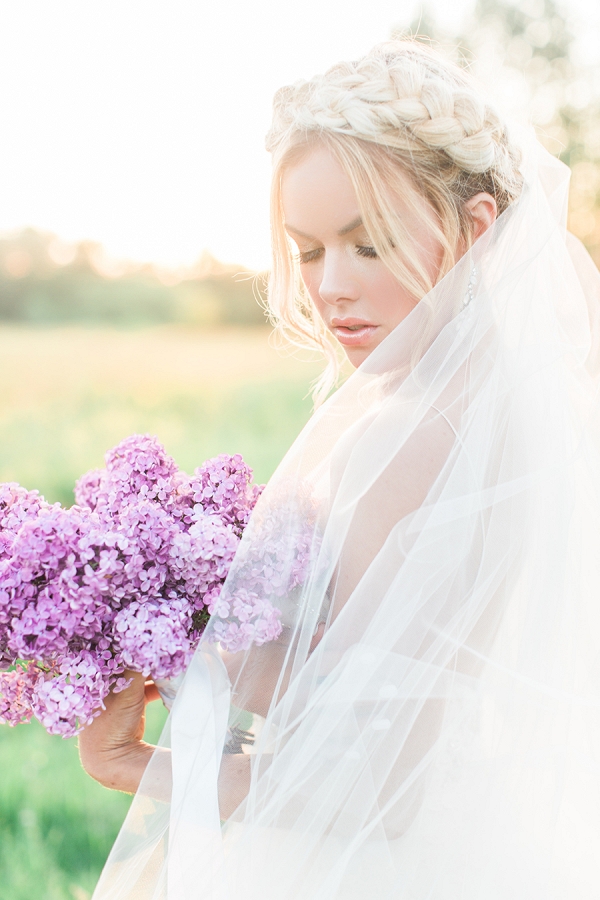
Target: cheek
x=390 y=299
x=311 y=278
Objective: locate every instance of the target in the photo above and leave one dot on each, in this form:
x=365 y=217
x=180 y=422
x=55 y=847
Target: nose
x=337 y=281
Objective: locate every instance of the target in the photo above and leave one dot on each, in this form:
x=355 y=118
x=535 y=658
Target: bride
x=427 y=723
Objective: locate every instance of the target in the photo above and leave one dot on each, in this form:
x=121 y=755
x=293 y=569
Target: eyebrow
x=351 y=226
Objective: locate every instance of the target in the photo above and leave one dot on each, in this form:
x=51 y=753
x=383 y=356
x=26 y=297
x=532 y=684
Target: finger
x=151 y=692
x=130 y=696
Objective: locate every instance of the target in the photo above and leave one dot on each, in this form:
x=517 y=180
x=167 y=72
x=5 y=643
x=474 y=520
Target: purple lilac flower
x=16 y=694
x=16 y=506
x=143 y=533
x=56 y=584
x=128 y=578
x=88 y=488
x=272 y=564
x=201 y=557
x=154 y=637
x=72 y=694
x=136 y=469
x=246 y=619
x=221 y=486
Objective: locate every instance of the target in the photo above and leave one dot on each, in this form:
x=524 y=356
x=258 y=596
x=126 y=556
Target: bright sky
x=140 y=123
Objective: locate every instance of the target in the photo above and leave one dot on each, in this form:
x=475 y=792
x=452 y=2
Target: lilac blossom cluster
x=273 y=563
x=126 y=579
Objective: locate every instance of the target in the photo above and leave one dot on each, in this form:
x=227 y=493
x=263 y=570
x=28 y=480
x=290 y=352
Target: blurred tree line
x=46 y=281
x=528 y=52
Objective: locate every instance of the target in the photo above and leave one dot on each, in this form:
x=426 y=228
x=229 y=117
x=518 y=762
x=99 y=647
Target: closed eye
x=309 y=255
x=369 y=252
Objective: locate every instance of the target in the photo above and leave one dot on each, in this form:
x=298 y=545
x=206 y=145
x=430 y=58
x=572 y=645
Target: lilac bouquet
x=126 y=579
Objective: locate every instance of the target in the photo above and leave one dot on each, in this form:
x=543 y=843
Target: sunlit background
x=140 y=124
x=133 y=220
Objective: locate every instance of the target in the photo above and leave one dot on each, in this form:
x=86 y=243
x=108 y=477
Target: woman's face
x=355 y=294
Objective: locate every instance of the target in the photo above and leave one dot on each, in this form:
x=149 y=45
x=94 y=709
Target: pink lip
x=352 y=332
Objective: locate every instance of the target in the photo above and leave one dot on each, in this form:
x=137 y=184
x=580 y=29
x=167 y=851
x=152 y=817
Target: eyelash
x=311 y=255
x=368 y=252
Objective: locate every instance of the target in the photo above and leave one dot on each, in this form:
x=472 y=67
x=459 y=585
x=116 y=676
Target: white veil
x=440 y=515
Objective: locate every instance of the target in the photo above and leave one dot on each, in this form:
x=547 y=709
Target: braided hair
x=400 y=120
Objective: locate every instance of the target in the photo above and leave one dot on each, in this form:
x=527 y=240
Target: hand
x=111 y=748
x=113 y=752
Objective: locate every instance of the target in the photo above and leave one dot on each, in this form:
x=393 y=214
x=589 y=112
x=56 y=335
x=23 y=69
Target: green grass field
x=67 y=395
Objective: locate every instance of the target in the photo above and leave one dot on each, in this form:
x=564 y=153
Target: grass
x=67 y=395
x=56 y=824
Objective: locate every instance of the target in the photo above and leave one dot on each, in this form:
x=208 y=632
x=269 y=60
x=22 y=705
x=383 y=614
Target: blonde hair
x=402 y=110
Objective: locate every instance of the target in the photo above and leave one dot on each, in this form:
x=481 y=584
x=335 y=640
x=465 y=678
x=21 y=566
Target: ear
x=484 y=212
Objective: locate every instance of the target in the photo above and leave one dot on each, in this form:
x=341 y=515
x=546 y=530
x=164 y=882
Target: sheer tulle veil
x=440 y=515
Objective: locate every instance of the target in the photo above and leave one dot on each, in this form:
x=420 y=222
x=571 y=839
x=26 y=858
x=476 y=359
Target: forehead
x=317 y=193
x=315 y=190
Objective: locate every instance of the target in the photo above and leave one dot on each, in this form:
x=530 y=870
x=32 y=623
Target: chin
x=357 y=356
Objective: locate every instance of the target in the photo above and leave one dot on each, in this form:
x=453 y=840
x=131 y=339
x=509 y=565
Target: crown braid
x=405 y=97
